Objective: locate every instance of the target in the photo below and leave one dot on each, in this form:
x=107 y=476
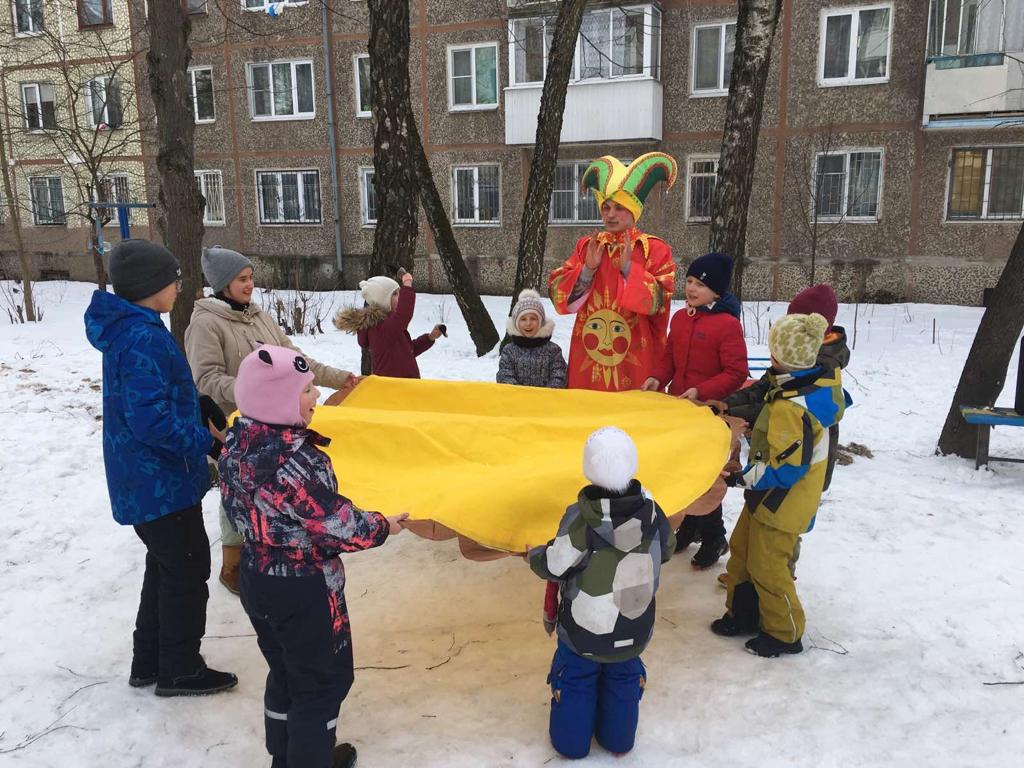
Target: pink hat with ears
x=269 y=382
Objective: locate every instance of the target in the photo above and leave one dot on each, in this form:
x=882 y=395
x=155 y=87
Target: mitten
x=209 y=411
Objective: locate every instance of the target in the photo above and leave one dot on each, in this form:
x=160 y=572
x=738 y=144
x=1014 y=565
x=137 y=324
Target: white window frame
x=365 y=184
x=295 y=89
x=262 y=8
x=32 y=200
x=986 y=186
x=360 y=112
x=278 y=171
x=704 y=93
x=195 y=100
x=89 y=114
x=850 y=78
x=845 y=152
x=38 y=101
x=33 y=30
x=690 y=160
x=651 y=69
x=942 y=35
x=475 y=221
x=473 y=48
x=204 y=188
x=578 y=166
x=113 y=177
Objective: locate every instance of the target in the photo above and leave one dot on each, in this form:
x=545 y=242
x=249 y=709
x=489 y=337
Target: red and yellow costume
x=621 y=322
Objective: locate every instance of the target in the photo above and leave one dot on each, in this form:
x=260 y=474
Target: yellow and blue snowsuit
x=784 y=478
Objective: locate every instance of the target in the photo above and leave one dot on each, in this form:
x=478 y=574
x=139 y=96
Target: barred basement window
x=39 y=108
x=201 y=82
x=281 y=90
x=847 y=185
x=368 y=197
x=700 y=187
x=986 y=184
x=103 y=102
x=288 y=197
x=569 y=204
x=211 y=185
x=476 y=197
x=47 y=194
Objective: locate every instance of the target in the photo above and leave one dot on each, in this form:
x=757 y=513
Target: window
x=953 y=27
x=476 y=197
x=281 y=90
x=288 y=197
x=987 y=184
x=193 y=7
x=95 y=13
x=473 y=76
x=702 y=176
x=211 y=185
x=361 y=66
x=201 y=79
x=855 y=45
x=569 y=204
x=847 y=185
x=47 y=200
x=261 y=5
x=713 y=47
x=115 y=190
x=368 y=197
x=103 y=102
x=38 y=106
x=613 y=43
x=28 y=17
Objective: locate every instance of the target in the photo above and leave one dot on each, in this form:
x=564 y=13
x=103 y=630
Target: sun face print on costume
x=606 y=337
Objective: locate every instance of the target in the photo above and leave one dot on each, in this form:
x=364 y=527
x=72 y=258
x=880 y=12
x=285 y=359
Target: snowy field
x=913 y=582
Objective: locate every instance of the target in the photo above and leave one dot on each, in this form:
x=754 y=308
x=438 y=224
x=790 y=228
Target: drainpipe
x=331 y=140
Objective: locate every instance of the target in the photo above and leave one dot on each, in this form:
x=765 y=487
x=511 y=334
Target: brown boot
x=229 y=568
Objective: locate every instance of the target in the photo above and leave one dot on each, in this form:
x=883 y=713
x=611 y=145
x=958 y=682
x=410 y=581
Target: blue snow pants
x=309 y=677
x=590 y=699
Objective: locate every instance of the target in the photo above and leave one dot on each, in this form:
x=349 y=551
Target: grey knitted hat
x=529 y=301
x=139 y=268
x=221 y=266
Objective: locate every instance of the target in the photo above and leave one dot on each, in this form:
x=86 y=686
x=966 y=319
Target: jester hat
x=629 y=187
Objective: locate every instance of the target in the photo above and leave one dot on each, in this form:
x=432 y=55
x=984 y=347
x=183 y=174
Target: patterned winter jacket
x=281 y=495
x=607 y=555
x=154 y=441
x=789 y=446
x=532 y=362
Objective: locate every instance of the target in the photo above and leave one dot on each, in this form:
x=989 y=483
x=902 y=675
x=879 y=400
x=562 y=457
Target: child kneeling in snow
x=382 y=326
x=784 y=477
x=614 y=534
x=531 y=358
x=281 y=495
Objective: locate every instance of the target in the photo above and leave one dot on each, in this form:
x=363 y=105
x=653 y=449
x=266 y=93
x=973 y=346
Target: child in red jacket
x=706 y=359
x=382 y=325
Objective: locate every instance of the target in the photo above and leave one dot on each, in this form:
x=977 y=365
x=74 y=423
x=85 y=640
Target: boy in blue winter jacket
x=154 y=453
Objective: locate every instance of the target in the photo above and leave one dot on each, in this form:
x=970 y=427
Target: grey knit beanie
x=139 y=268
x=529 y=301
x=221 y=266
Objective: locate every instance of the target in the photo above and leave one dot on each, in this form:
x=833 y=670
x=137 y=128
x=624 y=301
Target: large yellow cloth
x=499 y=464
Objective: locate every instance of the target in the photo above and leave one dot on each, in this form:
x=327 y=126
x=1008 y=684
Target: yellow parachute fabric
x=499 y=464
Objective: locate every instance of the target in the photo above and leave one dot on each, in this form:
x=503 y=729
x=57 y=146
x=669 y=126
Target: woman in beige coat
x=224 y=329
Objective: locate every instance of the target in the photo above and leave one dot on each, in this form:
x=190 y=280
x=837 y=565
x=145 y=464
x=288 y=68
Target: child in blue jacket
x=155 y=446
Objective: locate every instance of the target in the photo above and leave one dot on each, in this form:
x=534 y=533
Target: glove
x=210 y=411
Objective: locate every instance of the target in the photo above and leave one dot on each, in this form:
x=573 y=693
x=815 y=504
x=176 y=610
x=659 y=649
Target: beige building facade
x=891 y=152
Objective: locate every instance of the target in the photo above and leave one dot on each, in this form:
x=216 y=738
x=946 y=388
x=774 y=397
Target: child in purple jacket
x=281 y=495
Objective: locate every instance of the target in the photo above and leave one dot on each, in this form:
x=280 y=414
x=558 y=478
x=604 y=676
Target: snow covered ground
x=912 y=580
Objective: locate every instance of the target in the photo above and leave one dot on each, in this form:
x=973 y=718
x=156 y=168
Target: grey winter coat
x=532 y=362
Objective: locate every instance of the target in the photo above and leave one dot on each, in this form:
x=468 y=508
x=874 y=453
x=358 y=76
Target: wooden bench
x=985 y=419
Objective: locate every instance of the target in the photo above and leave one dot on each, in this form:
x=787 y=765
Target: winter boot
x=710 y=552
x=141 y=676
x=230 y=559
x=202 y=682
x=688 y=533
x=769 y=647
x=729 y=626
x=344 y=756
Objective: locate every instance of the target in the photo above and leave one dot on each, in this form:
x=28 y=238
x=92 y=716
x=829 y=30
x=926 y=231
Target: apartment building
x=891 y=151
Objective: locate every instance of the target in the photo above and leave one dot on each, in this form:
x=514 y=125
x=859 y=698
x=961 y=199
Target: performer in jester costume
x=619 y=281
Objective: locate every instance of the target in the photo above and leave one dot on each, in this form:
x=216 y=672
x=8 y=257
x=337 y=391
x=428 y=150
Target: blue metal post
x=122 y=220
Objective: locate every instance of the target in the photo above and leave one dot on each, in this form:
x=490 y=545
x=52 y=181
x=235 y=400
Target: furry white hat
x=610 y=459
x=377 y=291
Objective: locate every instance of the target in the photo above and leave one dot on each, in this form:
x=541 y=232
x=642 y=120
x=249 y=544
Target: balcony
x=604 y=110
x=980 y=86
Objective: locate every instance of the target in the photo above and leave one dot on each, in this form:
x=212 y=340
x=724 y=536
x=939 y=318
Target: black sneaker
x=202 y=682
x=769 y=647
x=727 y=626
x=344 y=756
x=710 y=552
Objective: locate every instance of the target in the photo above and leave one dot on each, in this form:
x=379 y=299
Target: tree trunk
x=985 y=370
x=481 y=327
x=533 y=229
x=19 y=244
x=181 y=203
x=755 y=30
